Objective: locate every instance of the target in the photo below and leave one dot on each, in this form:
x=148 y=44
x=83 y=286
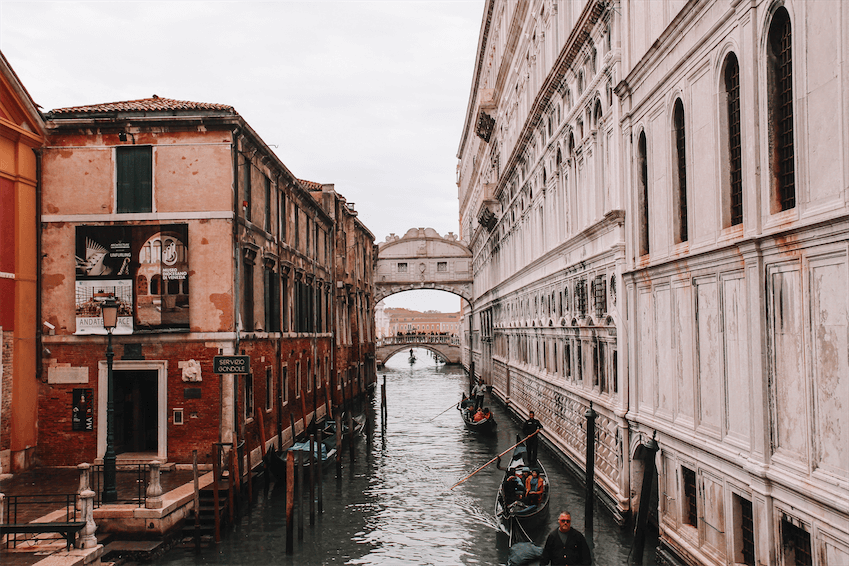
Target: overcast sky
x=370 y=96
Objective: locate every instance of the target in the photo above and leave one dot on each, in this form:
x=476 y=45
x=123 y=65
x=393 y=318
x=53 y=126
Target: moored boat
x=517 y=515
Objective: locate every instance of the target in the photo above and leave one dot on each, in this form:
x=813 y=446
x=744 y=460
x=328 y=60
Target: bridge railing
x=446 y=339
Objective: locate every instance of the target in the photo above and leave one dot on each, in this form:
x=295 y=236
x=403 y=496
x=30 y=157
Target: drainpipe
x=230 y=381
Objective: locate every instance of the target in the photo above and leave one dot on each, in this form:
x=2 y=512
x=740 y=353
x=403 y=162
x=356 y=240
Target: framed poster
x=145 y=268
x=82 y=415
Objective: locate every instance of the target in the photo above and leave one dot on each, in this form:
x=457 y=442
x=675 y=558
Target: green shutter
x=135 y=179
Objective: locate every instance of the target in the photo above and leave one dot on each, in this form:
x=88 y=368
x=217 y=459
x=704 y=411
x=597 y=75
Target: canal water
x=394 y=505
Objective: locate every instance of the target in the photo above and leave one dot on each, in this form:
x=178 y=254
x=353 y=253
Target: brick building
x=403 y=321
x=21 y=132
x=212 y=247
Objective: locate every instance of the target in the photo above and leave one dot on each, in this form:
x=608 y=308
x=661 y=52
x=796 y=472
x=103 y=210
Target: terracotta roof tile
x=310 y=185
x=154 y=104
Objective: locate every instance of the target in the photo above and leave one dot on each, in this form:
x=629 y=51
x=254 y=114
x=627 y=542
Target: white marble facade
x=658 y=208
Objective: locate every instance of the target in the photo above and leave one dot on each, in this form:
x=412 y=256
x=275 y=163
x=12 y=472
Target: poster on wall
x=145 y=268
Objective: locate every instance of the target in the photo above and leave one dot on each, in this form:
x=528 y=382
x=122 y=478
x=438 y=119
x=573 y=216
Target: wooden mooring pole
x=216 y=469
x=231 y=485
x=589 y=504
x=313 y=465
x=197 y=499
x=290 y=502
x=338 y=446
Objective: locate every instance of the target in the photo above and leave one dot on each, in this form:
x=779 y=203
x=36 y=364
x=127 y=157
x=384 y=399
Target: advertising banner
x=144 y=267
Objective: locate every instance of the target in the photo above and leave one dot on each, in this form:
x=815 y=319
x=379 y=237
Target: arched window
x=680 y=179
x=643 y=193
x=733 y=141
x=780 y=100
x=580 y=86
x=597 y=114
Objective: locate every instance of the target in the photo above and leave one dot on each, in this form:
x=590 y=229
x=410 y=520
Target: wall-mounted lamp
x=122 y=136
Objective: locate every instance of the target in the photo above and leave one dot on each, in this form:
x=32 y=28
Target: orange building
x=21 y=134
x=405 y=321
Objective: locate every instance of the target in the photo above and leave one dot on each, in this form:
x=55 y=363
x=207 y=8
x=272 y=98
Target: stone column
x=86 y=537
x=85 y=481
x=153 y=496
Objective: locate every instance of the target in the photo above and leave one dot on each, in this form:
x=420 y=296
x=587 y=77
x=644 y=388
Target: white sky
x=370 y=96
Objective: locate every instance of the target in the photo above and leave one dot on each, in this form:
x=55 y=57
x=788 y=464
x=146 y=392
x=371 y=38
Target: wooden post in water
x=231 y=486
x=338 y=446
x=216 y=468
x=384 y=408
x=590 y=477
x=351 y=435
x=313 y=465
x=249 y=470
x=319 y=475
x=290 y=502
x=197 y=499
x=300 y=482
x=262 y=441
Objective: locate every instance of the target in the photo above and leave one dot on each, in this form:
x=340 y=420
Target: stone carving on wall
x=191 y=371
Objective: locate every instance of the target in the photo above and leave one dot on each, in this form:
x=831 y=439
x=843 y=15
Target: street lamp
x=109 y=311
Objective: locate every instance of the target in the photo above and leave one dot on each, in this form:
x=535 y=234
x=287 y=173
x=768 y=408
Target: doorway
x=136 y=411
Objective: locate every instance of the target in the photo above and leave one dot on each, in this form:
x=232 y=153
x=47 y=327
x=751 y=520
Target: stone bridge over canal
x=446 y=346
x=422 y=259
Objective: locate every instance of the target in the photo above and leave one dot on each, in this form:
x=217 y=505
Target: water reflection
x=394 y=505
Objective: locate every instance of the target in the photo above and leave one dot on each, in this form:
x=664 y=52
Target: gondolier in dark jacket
x=529 y=427
x=565 y=545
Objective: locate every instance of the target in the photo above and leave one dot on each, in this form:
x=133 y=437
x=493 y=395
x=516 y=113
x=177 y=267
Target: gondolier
x=530 y=426
x=477 y=392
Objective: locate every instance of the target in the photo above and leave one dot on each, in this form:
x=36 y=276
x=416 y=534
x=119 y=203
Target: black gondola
x=467 y=411
x=517 y=516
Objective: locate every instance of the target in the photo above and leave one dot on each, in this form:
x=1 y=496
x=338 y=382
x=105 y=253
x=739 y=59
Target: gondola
x=467 y=411
x=517 y=518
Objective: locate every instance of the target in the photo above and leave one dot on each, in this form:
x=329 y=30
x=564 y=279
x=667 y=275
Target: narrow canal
x=394 y=506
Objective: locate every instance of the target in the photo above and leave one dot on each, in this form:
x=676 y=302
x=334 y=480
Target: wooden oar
x=494 y=459
x=449 y=408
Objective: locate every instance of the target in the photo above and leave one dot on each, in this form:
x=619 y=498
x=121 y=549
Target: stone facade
x=657 y=192
x=543 y=213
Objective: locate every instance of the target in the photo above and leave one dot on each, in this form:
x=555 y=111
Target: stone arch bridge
x=446 y=346
x=422 y=259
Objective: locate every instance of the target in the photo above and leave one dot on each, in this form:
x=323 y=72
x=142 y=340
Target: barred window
x=681 y=178
x=735 y=150
x=600 y=295
x=780 y=94
x=691 y=515
x=643 y=195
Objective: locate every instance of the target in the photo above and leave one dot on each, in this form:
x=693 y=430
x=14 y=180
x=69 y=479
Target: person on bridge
x=477 y=392
x=530 y=426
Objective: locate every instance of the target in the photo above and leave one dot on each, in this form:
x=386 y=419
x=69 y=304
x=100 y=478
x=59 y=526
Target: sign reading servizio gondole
x=144 y=267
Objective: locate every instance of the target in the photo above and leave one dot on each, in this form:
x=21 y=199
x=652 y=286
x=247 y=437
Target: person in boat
x=486 y=413
x=534 y=486
x=530 y=426
x=479 y=416
x=514 y=487
x=466 y=403
x=565 y=545
x=477 y=392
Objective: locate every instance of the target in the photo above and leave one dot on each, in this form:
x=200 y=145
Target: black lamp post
x=109 y=311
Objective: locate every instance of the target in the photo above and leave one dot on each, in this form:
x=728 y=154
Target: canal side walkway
x=177 y=488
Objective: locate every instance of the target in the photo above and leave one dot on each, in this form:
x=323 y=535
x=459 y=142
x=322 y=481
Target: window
x=579 y=363
x=600 y=295
x=272 y=300
x=795 y=544
x=269 y=388
x=402 y=268
x=284 y=306
x=690 y=514
x=734 y=144
x=135 y=179
x=297 y=214
x=780 y=101
x=284 y=379
x=310 y=376
x=249 y=395
x=248 y=296
x=297 y=379
x=567 y=360
x=442 y=266
x=643 y=196
x=284 y=221
x=601 y=368
x=267 y=204
x=246 y=189
x=680 y=179
x=744 y=532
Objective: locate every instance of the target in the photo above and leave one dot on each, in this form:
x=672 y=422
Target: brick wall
x=6 y=341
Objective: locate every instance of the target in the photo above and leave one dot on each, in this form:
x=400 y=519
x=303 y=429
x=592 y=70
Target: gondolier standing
x=477 y=393
x=529 y=427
